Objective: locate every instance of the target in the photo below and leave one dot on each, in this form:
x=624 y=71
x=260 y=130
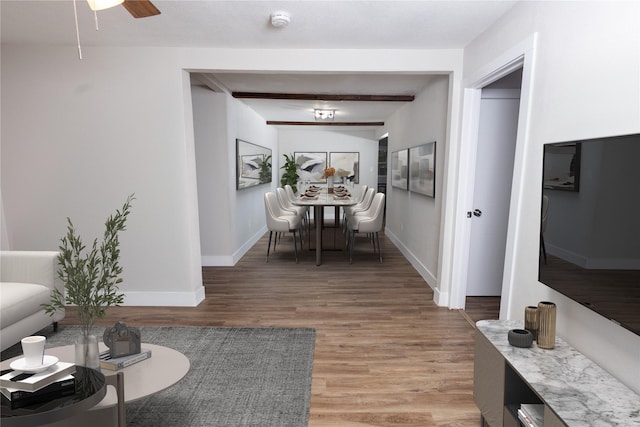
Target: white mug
x=33 y=350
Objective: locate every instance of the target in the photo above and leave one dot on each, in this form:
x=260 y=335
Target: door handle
x=476 y=212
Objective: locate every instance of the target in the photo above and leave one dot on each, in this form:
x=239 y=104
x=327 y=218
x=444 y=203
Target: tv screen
x=590 y=225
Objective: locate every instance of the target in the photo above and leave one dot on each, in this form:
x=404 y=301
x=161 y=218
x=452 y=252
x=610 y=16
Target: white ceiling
x=331 y=24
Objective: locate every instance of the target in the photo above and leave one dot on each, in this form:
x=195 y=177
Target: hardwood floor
x=480 y=308
x=385 y=354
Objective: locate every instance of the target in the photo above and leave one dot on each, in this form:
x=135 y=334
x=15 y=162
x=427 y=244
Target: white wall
x=230 y=220
x=247 y=205
x=79 y=136
x=414 y=221
x=585 y=85
x=4 y=233
x=212 y=167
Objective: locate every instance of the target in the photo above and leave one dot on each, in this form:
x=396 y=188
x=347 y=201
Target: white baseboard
x=231 y=260
x=217 y=261
x=164 y=299
x=439 y=298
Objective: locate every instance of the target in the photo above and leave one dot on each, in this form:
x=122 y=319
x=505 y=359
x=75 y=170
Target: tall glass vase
x=330 y=184
x=87 y=352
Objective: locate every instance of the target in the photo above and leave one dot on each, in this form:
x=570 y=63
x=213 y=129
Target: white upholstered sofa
x=26 y=281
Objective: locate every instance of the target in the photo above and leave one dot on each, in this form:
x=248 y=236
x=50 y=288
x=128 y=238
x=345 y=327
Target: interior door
x=492 y=190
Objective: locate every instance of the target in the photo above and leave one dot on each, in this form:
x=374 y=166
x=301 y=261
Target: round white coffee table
x=163 y=369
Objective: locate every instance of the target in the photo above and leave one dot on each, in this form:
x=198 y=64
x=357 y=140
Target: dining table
x=319 y=200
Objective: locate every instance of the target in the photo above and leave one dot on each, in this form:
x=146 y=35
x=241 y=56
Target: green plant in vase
x=290 y=175
x=91 y=278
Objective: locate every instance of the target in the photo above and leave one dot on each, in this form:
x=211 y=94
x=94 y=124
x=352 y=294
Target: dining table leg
x=319 y=220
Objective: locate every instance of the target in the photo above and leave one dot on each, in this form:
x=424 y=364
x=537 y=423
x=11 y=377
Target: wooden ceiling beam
x=323 y=97
x=286 y=123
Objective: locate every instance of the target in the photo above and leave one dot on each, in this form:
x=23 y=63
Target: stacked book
x=531 y=415
x=20 y=389
x=114 y=364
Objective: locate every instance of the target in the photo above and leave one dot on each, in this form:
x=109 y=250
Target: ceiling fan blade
x=140 y=8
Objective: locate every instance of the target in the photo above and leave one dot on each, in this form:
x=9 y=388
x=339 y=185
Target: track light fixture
x=324 y=115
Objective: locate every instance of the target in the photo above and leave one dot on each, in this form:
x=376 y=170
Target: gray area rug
x=238 y=376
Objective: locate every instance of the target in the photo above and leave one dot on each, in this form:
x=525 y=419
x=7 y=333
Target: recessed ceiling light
x=280 y=19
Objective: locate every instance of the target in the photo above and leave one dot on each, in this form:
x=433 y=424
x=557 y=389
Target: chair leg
x=301 y=234
x=379 y=248
x=295 y=246
x=269 y=244
x=353 y=239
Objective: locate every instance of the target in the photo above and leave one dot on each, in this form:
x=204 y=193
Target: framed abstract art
x=422 y=169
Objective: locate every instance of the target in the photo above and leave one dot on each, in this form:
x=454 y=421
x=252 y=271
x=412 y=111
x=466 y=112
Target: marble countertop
x=580 y=392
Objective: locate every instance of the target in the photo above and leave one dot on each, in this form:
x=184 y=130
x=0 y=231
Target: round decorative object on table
x=122 y=340
x=520 y=338
x=546 y=325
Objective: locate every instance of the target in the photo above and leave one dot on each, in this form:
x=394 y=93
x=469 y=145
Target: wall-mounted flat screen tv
x=590 y=225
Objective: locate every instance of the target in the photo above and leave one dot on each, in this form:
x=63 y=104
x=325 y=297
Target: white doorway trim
x=522 y=56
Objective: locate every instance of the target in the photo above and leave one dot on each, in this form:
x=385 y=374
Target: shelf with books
x=531 y=415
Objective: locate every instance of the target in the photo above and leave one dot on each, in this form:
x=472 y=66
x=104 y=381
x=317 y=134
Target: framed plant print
x=400 y=169
x=422 y=169
x=346 y=165
x=312 y=166
x=253 y=164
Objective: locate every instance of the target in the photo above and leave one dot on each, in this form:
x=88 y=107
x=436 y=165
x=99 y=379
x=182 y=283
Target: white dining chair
x=287 y=206
x=280 y=221
x=292 y=198
x=370 y=222
x=360 y=198
x=363 y=191
x=361 y=206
